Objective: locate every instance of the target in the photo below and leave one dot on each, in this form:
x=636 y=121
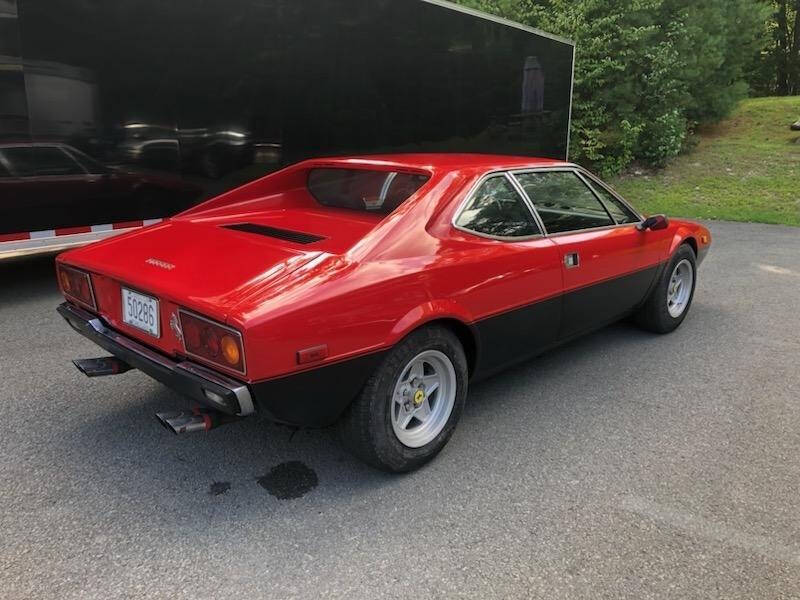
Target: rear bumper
x=195 y=381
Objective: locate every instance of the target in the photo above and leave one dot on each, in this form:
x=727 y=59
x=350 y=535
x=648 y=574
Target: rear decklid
x=200 y=265
x=205 y=267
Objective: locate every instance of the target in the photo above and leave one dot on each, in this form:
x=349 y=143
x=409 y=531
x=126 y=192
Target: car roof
x=440 y=162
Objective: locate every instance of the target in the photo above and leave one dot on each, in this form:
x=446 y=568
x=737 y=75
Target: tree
x=646 y=71
x=787 y=47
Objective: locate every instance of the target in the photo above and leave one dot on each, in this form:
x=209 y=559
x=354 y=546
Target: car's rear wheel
x=410 y=406
x=671 y=298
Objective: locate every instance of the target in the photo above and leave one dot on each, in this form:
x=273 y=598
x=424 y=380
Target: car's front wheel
x=410 y=406
x=669 y=302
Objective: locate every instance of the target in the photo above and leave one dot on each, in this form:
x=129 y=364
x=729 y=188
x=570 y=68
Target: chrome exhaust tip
x=101 y=367
x=184 y=422
x=197 y=420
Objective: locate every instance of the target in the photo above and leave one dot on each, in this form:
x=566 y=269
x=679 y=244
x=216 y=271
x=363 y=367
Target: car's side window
x=89 y=164
x=496 y=209
x=19 y=160
x=618 y=210
x=53 y=161
x=563 y=201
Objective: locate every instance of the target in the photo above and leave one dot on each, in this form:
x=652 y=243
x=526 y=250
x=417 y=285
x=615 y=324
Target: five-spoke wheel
x=409 y=407
x=672 y=294
x=680 y=288
x=423 y=398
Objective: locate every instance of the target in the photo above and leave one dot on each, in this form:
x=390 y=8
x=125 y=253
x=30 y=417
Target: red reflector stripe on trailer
x=73 y=230
x=127 y=225
x=51 y=233
x=14 y=237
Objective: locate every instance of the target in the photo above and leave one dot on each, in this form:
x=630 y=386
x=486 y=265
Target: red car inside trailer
x=368 y=292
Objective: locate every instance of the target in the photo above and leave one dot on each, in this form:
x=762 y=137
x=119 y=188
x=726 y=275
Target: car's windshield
x=363 y=189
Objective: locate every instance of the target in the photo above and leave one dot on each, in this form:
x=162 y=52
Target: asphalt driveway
x=622 y=465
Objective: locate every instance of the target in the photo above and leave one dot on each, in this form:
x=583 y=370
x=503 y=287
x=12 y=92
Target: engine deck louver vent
x=297 y=237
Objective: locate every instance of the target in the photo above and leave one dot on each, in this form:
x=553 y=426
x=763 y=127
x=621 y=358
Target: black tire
x=366 y=428
x=654 y=315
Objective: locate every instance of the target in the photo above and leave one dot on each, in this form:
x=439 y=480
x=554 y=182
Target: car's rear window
x=363 y=189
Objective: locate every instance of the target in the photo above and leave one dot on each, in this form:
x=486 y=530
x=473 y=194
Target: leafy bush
x=662 y=138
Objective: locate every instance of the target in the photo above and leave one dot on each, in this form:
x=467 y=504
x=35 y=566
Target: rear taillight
x=76 y=285
x=211 y=341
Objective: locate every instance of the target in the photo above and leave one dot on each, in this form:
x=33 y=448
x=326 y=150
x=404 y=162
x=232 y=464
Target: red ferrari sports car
x=369 y=292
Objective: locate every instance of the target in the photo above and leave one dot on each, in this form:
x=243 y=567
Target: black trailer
x=117 y=114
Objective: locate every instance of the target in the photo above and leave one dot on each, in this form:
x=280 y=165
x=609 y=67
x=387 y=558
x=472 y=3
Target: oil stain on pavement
x=219 y=487
x=289 y=480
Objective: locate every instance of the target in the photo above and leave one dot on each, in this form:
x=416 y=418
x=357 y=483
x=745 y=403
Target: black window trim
x=578 y=172
x=594 y=182
x=511 y=174
x=522 y=196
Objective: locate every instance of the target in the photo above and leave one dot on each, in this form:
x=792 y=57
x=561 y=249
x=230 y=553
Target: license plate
x=140 y=311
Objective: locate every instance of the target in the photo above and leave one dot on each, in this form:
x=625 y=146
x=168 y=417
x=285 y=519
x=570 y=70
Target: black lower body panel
x=315 y=398
x=520 y=334
x=513 y=336
x=593 y=306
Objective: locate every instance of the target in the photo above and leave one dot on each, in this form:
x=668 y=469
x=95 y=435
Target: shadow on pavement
x=27 y=278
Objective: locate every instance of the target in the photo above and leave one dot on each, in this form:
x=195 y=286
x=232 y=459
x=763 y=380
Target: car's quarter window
x=54 y=161
x=19 y=160
x=618 y=210
x=563 y=201
x=363 y=189
x=496 y=209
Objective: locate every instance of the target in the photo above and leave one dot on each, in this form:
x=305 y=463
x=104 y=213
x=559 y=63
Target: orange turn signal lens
x=230 y=350
x=212 y=342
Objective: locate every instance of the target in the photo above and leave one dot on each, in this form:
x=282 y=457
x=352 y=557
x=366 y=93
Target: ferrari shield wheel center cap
x=419 y=397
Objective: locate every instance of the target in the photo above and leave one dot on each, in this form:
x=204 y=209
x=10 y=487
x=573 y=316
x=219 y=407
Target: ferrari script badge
x=160 y=264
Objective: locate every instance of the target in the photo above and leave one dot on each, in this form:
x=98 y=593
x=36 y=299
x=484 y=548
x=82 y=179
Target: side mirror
x=653 y=223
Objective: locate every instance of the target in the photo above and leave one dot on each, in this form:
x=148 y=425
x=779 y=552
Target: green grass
x=746 y=168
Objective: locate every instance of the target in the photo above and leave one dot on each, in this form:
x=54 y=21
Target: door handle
x=572 y=260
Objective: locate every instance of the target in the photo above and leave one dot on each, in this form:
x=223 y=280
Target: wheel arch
x=446 y=314
x=683 y=236
x=689 y=240
x=466 y=335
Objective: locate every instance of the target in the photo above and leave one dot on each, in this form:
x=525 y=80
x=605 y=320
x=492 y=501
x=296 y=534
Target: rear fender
x=425 y=313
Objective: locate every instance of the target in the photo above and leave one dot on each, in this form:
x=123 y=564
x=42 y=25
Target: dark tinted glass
x=54 y=161
x=360 y=189
x=620 y=212
x=20 y=160
x=563 y=201
x=497 y=209
x=88 y=163
x=188 y=99
x=13 y=104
